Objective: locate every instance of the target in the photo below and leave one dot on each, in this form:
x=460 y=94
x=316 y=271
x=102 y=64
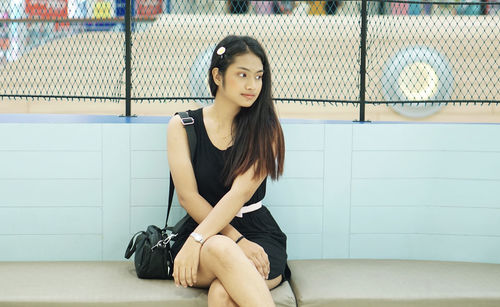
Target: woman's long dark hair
x=258 y=138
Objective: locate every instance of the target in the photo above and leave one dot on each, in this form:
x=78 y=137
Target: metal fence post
x=128 y=57
x=362 y=68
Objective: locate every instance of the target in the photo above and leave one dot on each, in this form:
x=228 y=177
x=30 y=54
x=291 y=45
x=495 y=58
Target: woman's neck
x=223 y=114
x=219 y=124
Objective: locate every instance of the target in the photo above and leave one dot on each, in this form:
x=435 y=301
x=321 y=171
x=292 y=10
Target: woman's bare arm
x=179 y=159
x=242 y=189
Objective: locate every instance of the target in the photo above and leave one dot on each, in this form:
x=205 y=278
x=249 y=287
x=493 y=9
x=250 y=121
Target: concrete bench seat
x=402 y=283
x=332 y=283
x=99 y=284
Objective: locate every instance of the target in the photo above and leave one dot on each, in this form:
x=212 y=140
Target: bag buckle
x=163 y=243
x=187 y=121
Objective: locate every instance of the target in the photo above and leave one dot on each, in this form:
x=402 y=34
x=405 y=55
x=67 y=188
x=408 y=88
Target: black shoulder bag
x=153 y=259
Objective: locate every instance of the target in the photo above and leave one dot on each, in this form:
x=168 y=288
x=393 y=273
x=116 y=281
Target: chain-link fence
x=351 y=52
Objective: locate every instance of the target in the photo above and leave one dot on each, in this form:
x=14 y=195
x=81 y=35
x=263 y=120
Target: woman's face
x=242 y=80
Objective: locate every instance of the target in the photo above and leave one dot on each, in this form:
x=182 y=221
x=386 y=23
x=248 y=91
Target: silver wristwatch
x=197 y=237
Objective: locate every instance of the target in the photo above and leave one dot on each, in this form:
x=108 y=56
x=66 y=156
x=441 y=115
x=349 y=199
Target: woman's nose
x=250 y=84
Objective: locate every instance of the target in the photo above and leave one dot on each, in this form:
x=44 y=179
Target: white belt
x=249 y=208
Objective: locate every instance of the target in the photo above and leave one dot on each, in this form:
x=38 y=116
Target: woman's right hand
x=186 y=264
x=257 y=255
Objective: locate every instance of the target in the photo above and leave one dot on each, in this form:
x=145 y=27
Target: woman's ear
x=217 y=76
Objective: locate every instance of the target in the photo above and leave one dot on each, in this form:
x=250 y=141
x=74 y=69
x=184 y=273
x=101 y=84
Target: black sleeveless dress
x=258 y=226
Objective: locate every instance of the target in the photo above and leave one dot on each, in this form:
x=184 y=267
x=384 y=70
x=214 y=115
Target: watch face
x=197 y=237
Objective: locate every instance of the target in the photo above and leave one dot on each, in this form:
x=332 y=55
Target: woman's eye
x=259 y=77
x=243 y=75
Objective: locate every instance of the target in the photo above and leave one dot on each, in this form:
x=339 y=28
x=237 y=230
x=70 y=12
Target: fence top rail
x=77 y=20
x=186 y=18
x=430 y=2
x=409 y=1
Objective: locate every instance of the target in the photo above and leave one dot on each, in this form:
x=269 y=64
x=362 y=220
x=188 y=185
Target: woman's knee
x=218 y=296
x=219 y=247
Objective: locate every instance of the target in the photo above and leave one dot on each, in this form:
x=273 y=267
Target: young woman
x=231 y=244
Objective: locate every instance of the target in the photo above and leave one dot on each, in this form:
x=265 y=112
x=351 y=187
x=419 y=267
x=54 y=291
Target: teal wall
x=78 y=191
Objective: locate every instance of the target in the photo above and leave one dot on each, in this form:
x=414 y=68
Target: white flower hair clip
x=221 y=51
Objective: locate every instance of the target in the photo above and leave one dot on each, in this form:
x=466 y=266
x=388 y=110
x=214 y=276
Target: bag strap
x=132 y=246
x=188 y=123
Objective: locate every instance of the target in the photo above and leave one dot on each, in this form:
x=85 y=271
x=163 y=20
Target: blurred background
x=390 y=60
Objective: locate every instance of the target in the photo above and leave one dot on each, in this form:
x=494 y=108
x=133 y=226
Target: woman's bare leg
x=222 y=259
x=218 y=296
x=273 y=283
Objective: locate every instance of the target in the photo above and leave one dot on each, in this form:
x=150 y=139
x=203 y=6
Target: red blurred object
x=148 y=7
x=48 y=9
x=4 y=44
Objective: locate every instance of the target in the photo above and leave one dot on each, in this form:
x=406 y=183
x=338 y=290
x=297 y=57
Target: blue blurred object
x=427 y=9
x=198 y=78
x=466 y=9
x=120 y=8
x=17 y=31
x=414 y=9
x=120 y=12
x=107 y=26
x=423 y=66
x=167 y=6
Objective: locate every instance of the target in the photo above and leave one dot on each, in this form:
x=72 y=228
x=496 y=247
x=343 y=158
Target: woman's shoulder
x=176 y=126
x=176 y=118
x=175 y=121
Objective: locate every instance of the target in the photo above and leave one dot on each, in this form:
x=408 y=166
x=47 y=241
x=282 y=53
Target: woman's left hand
x=257 y=255
x=186 y=264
